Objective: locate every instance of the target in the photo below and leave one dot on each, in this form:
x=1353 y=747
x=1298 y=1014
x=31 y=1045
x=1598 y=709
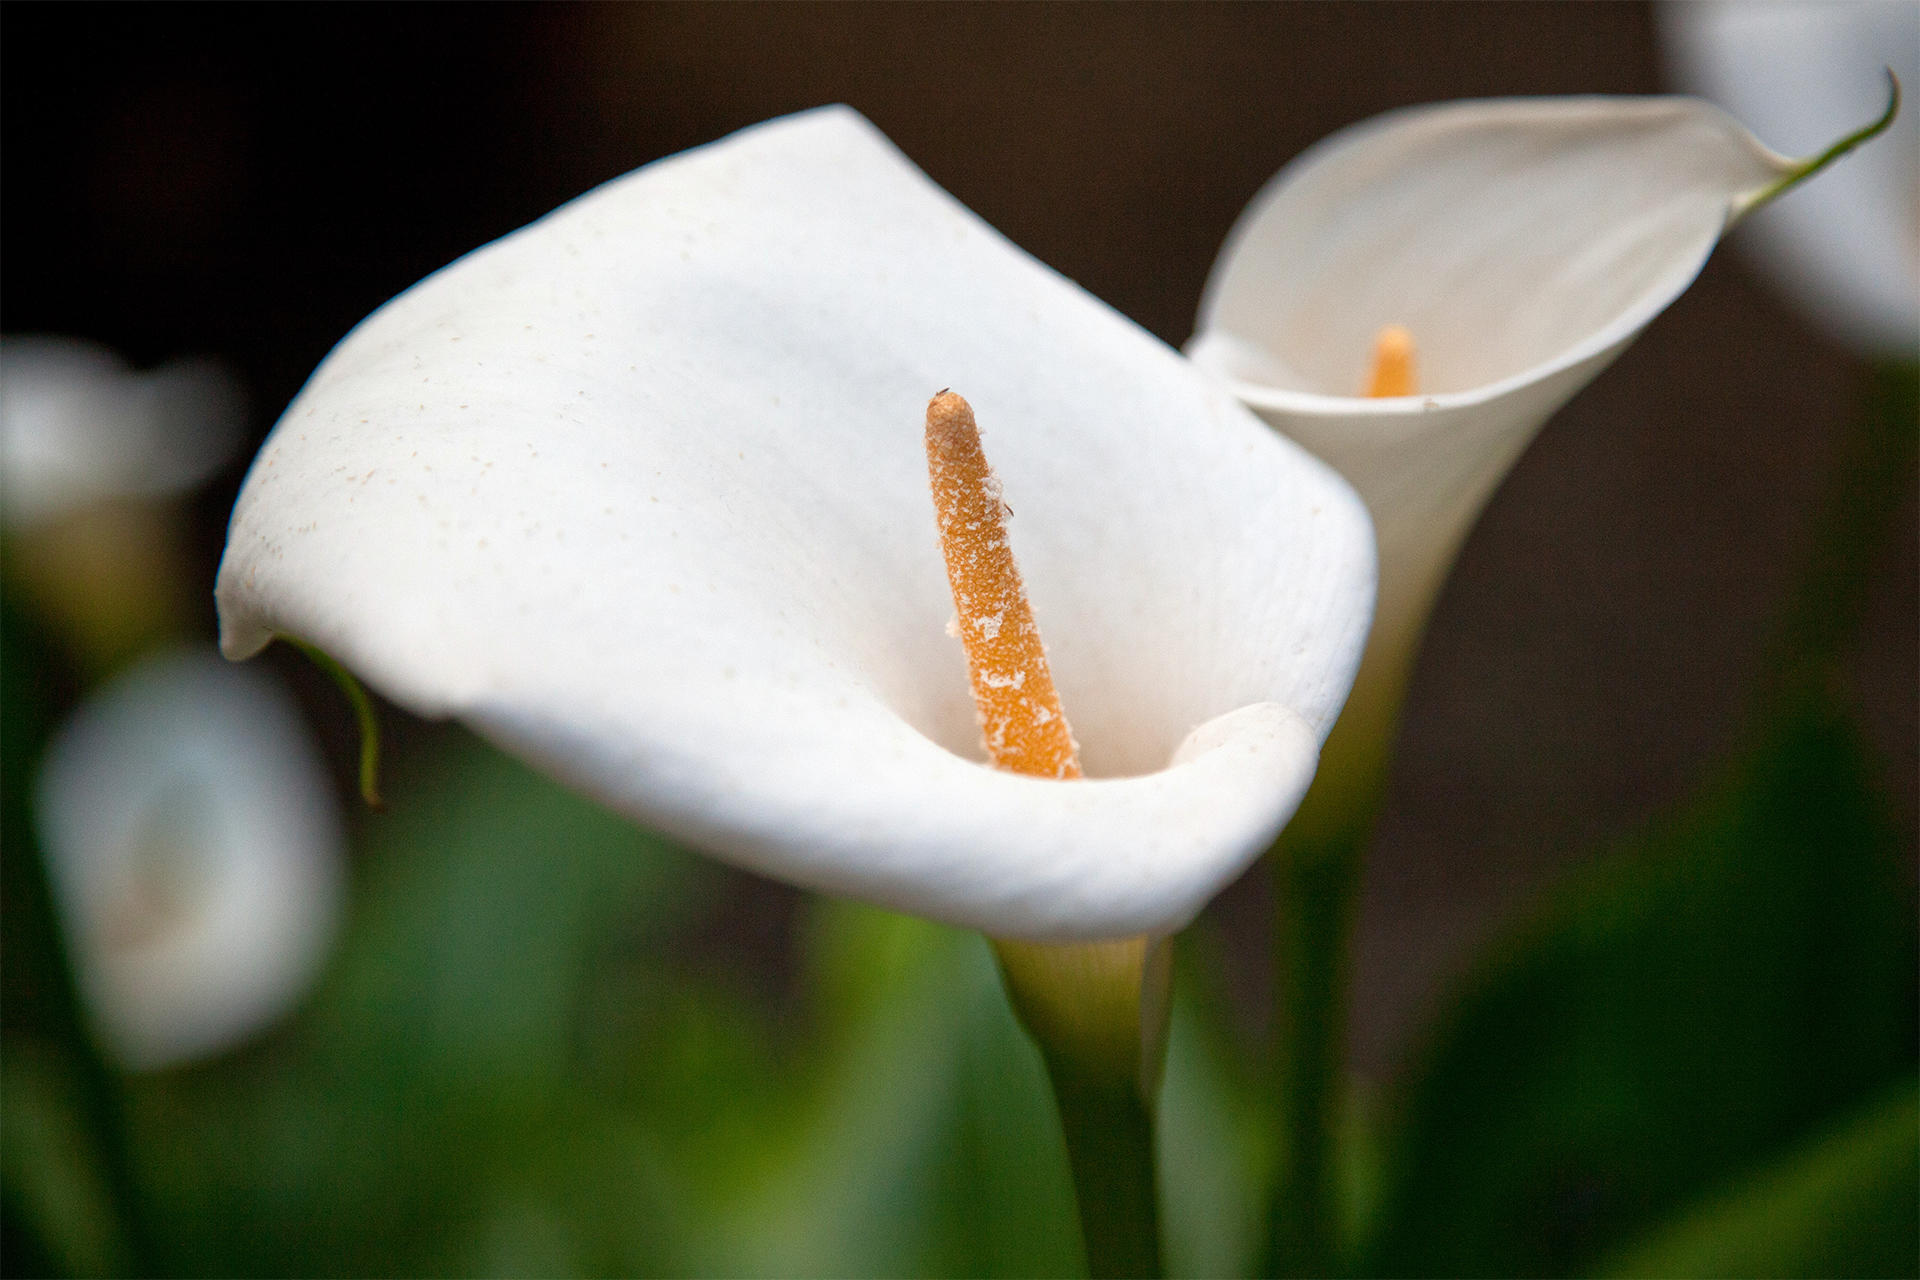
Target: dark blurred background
x=248 y=182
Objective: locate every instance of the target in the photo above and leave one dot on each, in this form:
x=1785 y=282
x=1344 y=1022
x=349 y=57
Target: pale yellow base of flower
x=1098 y=1009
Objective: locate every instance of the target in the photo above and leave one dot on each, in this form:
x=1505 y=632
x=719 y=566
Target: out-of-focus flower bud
x=195 y=855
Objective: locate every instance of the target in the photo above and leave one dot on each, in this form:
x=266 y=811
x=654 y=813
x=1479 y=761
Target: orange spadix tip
x=1019 y=710
x=1393 y=371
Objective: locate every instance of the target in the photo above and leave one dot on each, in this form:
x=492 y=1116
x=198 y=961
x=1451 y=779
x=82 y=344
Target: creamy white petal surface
x=1523 y=243
x=1847 y=247
x=194 y=850
x=640 y=492
x=77 y=426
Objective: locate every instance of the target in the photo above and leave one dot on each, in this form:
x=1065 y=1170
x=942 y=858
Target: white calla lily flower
x=195 y=853
x=1847 y=249
x=1521 y=245
x=640 y=492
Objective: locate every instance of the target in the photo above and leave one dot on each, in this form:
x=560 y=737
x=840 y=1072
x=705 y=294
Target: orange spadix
x=1020 y=715
x=1393 y=372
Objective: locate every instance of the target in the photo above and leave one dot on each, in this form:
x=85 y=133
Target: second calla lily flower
x=1517 y=246
x=640 y=493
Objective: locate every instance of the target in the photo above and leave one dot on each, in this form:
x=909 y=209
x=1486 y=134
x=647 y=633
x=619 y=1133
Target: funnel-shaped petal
x=1523 y=244
x=640 y=492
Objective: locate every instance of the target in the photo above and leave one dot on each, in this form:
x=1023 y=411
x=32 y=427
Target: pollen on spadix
x=1393 y=370
x=1013 y=693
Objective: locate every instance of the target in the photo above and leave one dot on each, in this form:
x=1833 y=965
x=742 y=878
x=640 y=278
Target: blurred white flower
x=1516 y=247
x=78 y=426
x=641 y=493
x=194 y=852
x=1846 y=248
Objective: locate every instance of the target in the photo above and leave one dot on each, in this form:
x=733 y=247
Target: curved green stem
x=362 y=712
x=1805 y=169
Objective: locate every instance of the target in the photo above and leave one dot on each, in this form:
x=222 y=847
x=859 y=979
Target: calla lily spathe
x=639 y=492
x=1523 y=243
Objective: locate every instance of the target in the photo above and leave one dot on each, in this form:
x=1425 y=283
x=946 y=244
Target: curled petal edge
x=923 y=831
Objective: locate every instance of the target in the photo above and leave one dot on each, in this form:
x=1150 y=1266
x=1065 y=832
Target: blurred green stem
x=1316 y=866
x=97 y=1086
x=1316 y=884
x=1872 y=478
x=1110 y=1148
x=1097 y=1011
x=363 y=715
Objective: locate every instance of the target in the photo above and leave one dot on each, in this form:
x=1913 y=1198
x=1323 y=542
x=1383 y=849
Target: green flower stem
x=56 y=1009
x=1098 y=1013
x=1316 y=885
x=362 y=712
x=1316 y=867
x=1872 y=478
x=1110 y=1148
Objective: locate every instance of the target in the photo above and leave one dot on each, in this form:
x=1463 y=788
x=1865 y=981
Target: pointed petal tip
x=1797 y=172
